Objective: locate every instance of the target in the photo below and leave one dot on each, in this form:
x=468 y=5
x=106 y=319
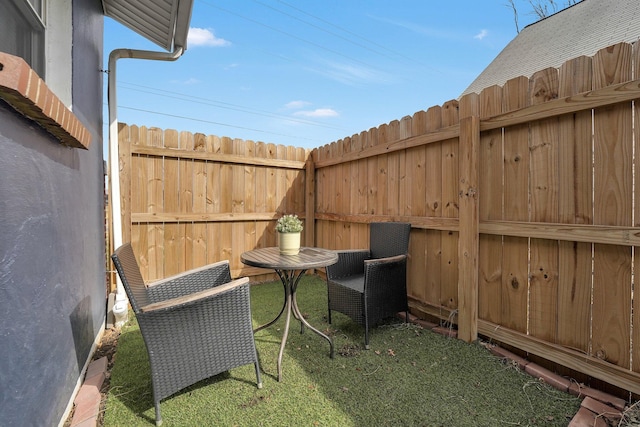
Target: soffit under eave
x=163 y=22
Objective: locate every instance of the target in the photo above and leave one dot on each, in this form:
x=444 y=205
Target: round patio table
x=290 y=268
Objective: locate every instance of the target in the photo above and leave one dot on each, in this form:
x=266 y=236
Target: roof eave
x=163 y=22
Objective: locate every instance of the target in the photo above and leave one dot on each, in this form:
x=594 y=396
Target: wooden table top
x=307 y=258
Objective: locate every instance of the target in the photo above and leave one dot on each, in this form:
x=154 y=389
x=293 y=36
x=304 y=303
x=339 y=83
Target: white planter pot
x=289 y=243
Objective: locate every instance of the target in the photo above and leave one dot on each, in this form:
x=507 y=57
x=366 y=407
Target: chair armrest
x=350 y=262
x=387 y=260
x=384 y=274
x=189 y=282
x=195 y=297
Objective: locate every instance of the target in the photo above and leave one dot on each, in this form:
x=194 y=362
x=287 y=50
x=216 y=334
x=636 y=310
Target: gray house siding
x=52 y=252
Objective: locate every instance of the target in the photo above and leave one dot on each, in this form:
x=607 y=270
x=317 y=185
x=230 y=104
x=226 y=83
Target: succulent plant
x=289 y=224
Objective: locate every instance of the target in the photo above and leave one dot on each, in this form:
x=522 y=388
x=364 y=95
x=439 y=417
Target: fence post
x=468 y=236
x=124 y=149
x=310 y=202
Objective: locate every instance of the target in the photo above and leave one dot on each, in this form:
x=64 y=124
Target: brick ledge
x=25 y=91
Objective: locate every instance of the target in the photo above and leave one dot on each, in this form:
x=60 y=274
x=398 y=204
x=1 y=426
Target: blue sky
x=307 y=73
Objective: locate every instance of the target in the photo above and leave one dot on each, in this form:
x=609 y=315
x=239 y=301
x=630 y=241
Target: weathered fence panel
x=192 y=199
x=556 y=241
x=523 y=202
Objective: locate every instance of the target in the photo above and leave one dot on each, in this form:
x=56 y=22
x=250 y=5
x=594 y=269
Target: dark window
x=22 y=27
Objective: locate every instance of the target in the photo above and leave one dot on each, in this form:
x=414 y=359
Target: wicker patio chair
x=195 y=325
x=370 y=285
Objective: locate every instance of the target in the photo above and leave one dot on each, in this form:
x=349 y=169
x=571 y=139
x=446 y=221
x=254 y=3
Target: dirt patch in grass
x=106 y=348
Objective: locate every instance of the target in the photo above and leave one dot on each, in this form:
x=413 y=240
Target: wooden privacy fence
x=523 y=200
x=524 y=209
x=190 y=199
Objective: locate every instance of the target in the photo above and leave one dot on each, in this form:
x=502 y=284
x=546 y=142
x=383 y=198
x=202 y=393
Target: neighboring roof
x=164 y=22
x=579 y=30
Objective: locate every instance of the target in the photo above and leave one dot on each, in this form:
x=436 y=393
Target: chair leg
x=259 y=378
x=366 y=334
x=158 y=416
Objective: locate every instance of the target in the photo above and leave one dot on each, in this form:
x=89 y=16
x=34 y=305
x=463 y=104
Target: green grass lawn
x=409 y=377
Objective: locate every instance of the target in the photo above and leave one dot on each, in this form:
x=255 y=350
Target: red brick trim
x=24 y=90
x=88 y=400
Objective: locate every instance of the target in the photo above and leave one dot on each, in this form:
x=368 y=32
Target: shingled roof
x=581 y=29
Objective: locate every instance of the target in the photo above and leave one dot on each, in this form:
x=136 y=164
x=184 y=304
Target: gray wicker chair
x=195 y=325
x=370 y=285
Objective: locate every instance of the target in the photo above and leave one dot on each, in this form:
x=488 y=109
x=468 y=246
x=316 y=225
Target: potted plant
x=289 y=228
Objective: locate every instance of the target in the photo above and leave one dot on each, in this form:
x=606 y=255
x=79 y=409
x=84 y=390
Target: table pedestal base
x=290 y=280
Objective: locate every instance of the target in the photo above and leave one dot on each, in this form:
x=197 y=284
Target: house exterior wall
x=52 y=251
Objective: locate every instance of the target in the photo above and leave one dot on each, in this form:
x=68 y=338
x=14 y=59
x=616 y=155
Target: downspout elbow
x=144 y=54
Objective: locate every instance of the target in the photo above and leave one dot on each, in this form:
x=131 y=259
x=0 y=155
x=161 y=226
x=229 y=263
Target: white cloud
x=318 y=112
x=296 y=104
x=204 y=37
x=189 y=81
x=416 y=28
x=352 y=75
x=482 y=34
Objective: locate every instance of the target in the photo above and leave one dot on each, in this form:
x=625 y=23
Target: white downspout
x=120 y=307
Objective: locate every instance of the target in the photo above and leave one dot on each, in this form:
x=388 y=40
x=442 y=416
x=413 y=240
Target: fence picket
x=612 y=206
x=491 y=207
x=198 y=230
x=515 y=255
x=155 y=241
x=187 y=170
x=382 y=169
x=143 y=166
x=543 y=176
x=575 y=190
x=395 y=161
x=173 y=233
x=450 y=189
x=635 y=339
x=433 y=206
x=415 y=184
